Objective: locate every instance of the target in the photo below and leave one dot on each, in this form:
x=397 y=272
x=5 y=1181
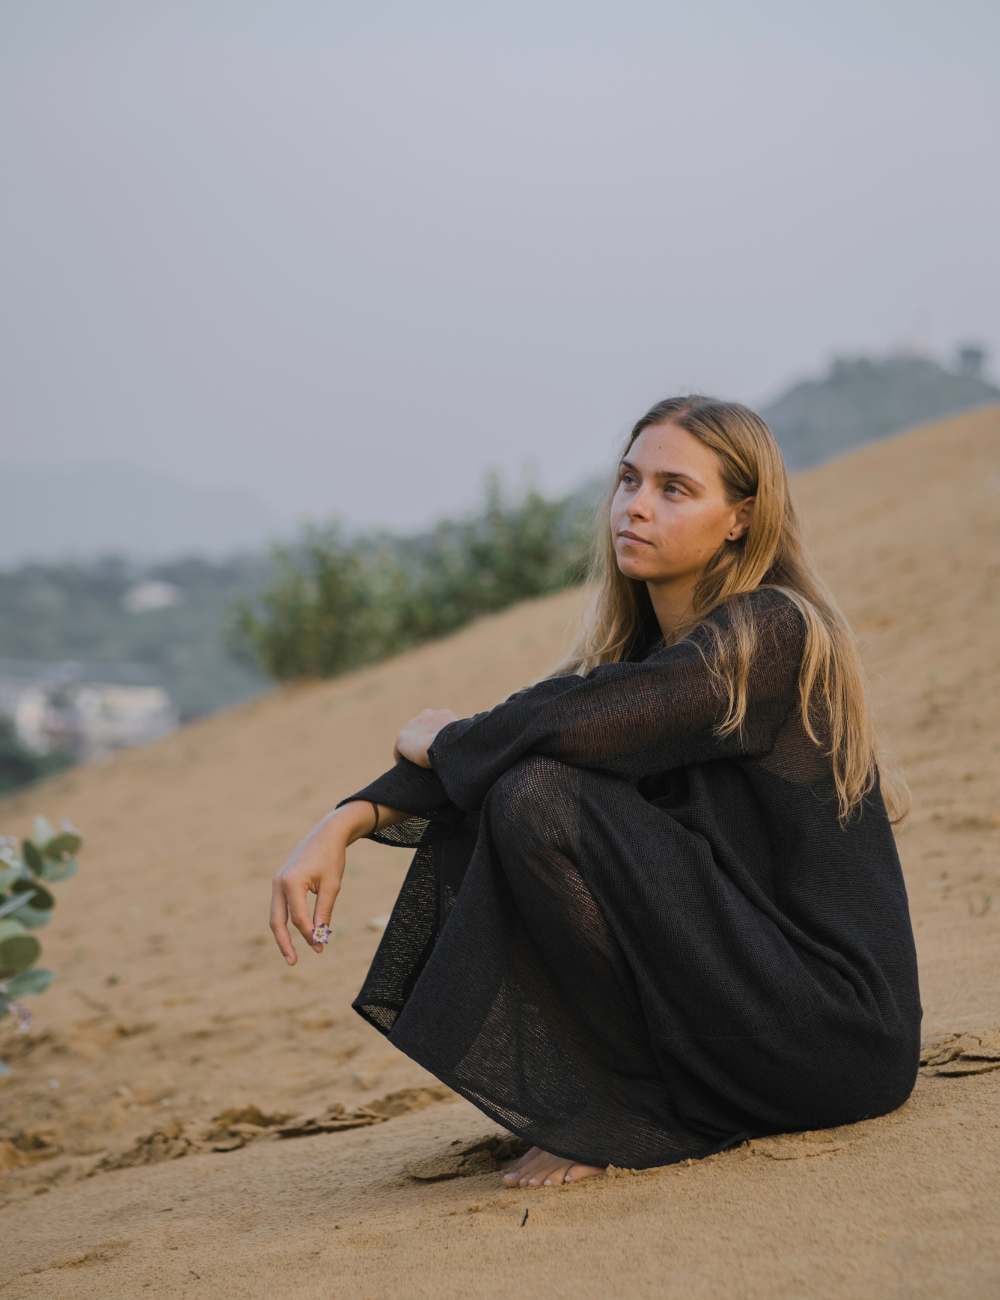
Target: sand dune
x=175 y=1029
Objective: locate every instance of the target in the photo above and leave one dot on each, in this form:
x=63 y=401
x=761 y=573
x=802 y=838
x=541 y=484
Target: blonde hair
x=833 y=691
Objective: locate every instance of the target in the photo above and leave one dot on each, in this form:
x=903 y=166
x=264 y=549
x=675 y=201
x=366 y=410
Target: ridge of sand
x=172 y=1007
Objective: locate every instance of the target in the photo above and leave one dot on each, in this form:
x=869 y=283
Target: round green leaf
x=28 y=982
x=41 y=899
x=43 y=831
x=12 y=903
x=66 y=845
x=55 y=871
x=18 y=949
x=33 y=918
x=31 y=856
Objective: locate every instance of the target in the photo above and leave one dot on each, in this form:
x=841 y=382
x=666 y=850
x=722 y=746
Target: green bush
x=26 y=904
x=337 y=604
x=312 y=620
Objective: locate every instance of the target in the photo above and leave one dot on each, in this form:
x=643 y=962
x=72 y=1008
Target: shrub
x=26 y=904
x=336 y=604
x=312 y=620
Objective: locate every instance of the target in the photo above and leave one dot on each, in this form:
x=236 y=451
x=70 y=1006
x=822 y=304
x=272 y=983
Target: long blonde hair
x=833 y=691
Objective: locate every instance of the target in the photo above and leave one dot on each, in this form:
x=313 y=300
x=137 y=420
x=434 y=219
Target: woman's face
x=670 y=515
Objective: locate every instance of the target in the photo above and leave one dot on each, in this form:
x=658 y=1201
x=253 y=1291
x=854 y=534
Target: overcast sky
x=347 y=256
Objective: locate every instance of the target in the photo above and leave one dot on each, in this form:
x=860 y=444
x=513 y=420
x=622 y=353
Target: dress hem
x=497 y=1114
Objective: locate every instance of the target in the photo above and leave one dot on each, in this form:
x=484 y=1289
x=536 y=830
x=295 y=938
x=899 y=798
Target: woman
x=656 y=907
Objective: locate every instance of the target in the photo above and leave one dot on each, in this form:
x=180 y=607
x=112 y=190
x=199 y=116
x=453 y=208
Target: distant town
x=71 y=710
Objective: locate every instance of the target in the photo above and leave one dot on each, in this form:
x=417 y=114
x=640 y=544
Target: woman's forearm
x=316 y=866
x=357 y=818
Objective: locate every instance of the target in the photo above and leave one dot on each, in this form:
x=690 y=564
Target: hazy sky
x=347 y=256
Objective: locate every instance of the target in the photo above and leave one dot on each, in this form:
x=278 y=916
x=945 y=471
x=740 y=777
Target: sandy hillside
x=141 y=1118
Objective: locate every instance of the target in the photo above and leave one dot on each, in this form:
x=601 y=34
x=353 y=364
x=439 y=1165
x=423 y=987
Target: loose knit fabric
x=633 y=941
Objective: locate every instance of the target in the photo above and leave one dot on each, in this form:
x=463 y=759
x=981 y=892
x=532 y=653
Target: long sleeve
x=414 y=790
x=406 y=787
x=629 y=719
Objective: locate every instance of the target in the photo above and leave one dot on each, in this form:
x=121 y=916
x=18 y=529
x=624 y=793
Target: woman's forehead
x=667 y=448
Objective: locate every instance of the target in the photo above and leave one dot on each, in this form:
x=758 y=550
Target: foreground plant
x=26 y=904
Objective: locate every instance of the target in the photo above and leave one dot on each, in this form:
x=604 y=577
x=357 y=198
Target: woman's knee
x=533 y=784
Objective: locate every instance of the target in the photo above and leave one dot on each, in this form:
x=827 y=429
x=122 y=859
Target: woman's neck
x=673 y=603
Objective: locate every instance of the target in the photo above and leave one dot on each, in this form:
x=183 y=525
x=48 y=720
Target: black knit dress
x=632 y=941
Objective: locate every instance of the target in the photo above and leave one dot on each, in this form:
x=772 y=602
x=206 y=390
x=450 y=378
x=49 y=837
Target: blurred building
x=85 y=712
x=150 y=594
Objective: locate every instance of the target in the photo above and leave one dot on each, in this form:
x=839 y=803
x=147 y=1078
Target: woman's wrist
x=354 y=820
x=351 y=821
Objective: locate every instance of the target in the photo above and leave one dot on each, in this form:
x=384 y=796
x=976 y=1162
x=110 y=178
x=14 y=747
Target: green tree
x=319 y=617
x=335 y=605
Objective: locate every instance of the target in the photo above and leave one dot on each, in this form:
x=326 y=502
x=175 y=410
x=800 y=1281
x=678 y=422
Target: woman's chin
x=633 y=567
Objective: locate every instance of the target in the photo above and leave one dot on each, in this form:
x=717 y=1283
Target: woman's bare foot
x=536 y=1168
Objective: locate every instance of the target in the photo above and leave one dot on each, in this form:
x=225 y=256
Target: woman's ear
x=742 y=521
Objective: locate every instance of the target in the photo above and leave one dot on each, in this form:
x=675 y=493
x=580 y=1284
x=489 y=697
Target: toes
x=518 y=1161
x=517 y=1177
x=537 y=1168
x=575 y=1172
x=545 y=1171
x=513 y=1172
x=555 y=1174
x=542 y=1171
x=531 y=1172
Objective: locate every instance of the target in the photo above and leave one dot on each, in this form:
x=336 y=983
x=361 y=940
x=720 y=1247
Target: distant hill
x=110 y=507
x=861 y=400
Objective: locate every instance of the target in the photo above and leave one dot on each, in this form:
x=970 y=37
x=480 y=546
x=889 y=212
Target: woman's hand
x=418 y=735
x=317 y=867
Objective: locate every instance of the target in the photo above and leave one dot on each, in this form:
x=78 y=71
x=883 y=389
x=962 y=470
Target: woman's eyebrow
x=664 y=474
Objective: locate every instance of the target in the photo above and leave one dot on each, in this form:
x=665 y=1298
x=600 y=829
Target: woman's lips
x=626 y=536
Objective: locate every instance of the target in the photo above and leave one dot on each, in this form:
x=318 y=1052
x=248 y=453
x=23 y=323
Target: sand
x=173 y=1008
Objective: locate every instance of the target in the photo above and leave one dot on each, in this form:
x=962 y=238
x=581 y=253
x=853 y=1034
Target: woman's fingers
x=323 y=910
x=297 y=899
x=290 y=903
x=316 y=867
x=279 y=923
x=408 y=744
x=419 y=734
x=326 y=888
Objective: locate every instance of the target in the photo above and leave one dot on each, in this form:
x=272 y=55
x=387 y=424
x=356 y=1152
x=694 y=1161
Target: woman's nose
x=638 y=505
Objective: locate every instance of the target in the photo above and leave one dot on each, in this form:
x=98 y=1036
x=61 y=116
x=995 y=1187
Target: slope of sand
x=172 y=1006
